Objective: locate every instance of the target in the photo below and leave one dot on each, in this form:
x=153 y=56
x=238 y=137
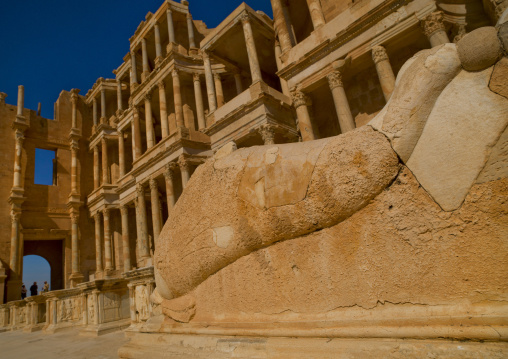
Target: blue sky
x=35 y=269
x=55 y=45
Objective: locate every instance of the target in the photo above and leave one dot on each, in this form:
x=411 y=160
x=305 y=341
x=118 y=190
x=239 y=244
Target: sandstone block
x=479 y=49
x=497 y=164
x=503 y=36
x=465 y=123
x=499 y=79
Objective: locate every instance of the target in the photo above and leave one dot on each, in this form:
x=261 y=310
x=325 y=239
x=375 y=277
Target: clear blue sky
x=55 y=45
x=35 y=269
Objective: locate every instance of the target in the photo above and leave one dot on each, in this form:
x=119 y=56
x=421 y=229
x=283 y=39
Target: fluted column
x=121 y=153
x=163 y=109
x=171 y=27
x=124 y=212
x=281 y=26
x=134 y=73
x=184 y=169
x=103 y=106
x=74 y=167
x=98 y=243
x=177 y=99
x=169 y=176
x=15 y=245
x=267 y=133
x=96 y=170
x=238 y=83
x=300 y=101
x=75 y=243
x=210 y=87
x=136 y=134
x=146 y=67
x=119 y=103
x=218 y=89
x=346 y=120
x=94 y=111
x=158 y=48
x=434 y=29
x=200 y=112
x=107 y=241
x=384 y=70
x=156 y=215
x=190 y=30
x=255 y=70
x=150 y=141
x=316 y=13
x=105 y=162
x=142 y=222
x=19 y=138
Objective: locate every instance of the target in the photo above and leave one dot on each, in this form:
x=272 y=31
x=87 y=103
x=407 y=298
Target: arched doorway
x=36 y=269
x=52 y=252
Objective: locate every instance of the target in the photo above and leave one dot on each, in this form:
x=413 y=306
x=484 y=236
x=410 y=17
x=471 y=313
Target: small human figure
x=23 y=292
x=46 y=287
x=33 y=289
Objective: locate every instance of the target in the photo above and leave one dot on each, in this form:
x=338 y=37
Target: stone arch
x=53 y=252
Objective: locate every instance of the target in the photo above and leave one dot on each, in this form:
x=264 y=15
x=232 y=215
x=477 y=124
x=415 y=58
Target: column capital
x=74 y=218
x=189 y=15
x=195 y=77
x=183 y=163
x=124 y=209
x=135 y=110
x=299 y=99
x=15 y=216
x=169 y=170
x=140 y=189
x=104 y=141
x=74 y=146
x=161 y=85
x=148 y=96
x=432 y=23
x=245 y=18
x=153 y=184
x=267 y=132
x=174 y=73
x=97 y=216
x=379 y=54
x=120 y=133
x=335 y=79
x=74 y=97
x=216 y=76
x=105 y=212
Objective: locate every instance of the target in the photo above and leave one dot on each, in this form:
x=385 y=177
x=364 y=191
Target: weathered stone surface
x=497 y=165
x=418 y=85
x=503 y=36
x=465 y=123
x=499 y=79
x=343 y=175
x=479 y=49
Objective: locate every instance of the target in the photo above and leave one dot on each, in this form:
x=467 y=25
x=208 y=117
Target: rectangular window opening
x=45 y=167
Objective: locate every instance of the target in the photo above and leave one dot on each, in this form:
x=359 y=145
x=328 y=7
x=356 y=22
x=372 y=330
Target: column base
x=14 y=290
x=193 y=51
x=75 y=279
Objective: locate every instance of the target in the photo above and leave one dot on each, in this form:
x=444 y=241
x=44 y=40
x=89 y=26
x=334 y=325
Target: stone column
x=158 y=48
x=300 y=101
x=124 y=211
x=108 y=259
x=21 y=100
x=19 y=138
x=200 y=112
x=434 y=29
x=178 y=99
x=134 y=78
x=121 y=153
x=94 y=111
x=169 y=176
x=255 y=70
x=84 y=306
x=156 y=215
x=281 y=25
x=142 y=223
x=171 y=27
x=384 y=70
x=267 y=132
x=105 y=162
x=103 y=106
x=190 y=29
x=136 y=134
x=146 y=68
x=96 y=177
x=95 y=294
x=316 y=13
x=218 y=90
x=184 y=169
x=283 y=83
x=150 y=142
x=210 y=88
x=74 y=109
x=238 y=83
x=132 y=302
x=98 y=243
x=163 y=109
x=74 y=167
x=346 y=121
x=119 y=104
x=15 y=245
x=75 y=243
